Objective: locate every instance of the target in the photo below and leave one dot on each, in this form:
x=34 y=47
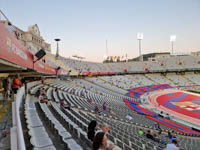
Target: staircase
x=192 y=82
x=134 y=80
x=111 y=84
x=151 y=79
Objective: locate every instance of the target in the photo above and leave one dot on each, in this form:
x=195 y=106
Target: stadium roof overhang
x=8 y=67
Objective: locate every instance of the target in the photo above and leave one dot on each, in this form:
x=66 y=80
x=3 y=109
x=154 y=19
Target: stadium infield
x=181 y=104
x=195 y=91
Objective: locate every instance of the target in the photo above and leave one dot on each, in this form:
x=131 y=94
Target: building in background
x=152 y=56
x=31 y=39
x=195 y=53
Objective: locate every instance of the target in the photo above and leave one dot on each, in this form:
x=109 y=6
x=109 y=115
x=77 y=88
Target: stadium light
x=139 y=38
x=39 y=55
x=106 y=47
x=172 y=40
x=57 y=69
x=57 y=51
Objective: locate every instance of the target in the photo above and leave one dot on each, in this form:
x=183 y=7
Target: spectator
x=162 y=137
x=91 y=130
x=104 y=106
x=90 y=101
x=66 y=106
x=9 y=88
x=160 y=131
x=96 y=109
x=171 y=136
x=43 y=99
x=42 y=80
x=5 y=85
x=149 y=135
x=100 y=113
x=100 y=142
x=23 y=81
x=111 y=112
x=172 y=146
x=42 y=92
x=104 y=128
x=16 y=84
x=82 y=94
x=129 y=117
x=141 y=132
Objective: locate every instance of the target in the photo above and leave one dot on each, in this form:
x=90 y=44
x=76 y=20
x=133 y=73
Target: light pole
x=57 y=51
x=139 y=38
x=106 y=47
x=172 y=40
x=106 y=55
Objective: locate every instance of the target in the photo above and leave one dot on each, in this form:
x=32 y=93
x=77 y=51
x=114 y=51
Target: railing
x=17 y=137
x=20 y=136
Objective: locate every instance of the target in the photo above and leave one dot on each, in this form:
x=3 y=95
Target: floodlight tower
x=106 y=47
x=172 y=40
x=57 y=51
x=139 y=38
x=106 y=55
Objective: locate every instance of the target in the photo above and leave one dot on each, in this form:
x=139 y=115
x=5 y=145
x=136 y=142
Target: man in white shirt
x=172 y=146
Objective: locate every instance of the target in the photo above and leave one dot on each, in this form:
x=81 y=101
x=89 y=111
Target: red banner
x=85 y=73
x=12 y=50
x=42 y=67
x=103 y=73
x=111 y=73
x=62 y=72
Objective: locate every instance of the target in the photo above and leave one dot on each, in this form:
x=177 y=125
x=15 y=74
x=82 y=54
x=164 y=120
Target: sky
x=84 y=25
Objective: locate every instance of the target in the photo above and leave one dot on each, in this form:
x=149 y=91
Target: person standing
x=9 y=88
x=16 y=84
x=5 y=86
x=92 y=127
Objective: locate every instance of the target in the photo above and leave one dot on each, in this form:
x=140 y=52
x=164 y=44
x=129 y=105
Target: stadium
x=57 y=98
